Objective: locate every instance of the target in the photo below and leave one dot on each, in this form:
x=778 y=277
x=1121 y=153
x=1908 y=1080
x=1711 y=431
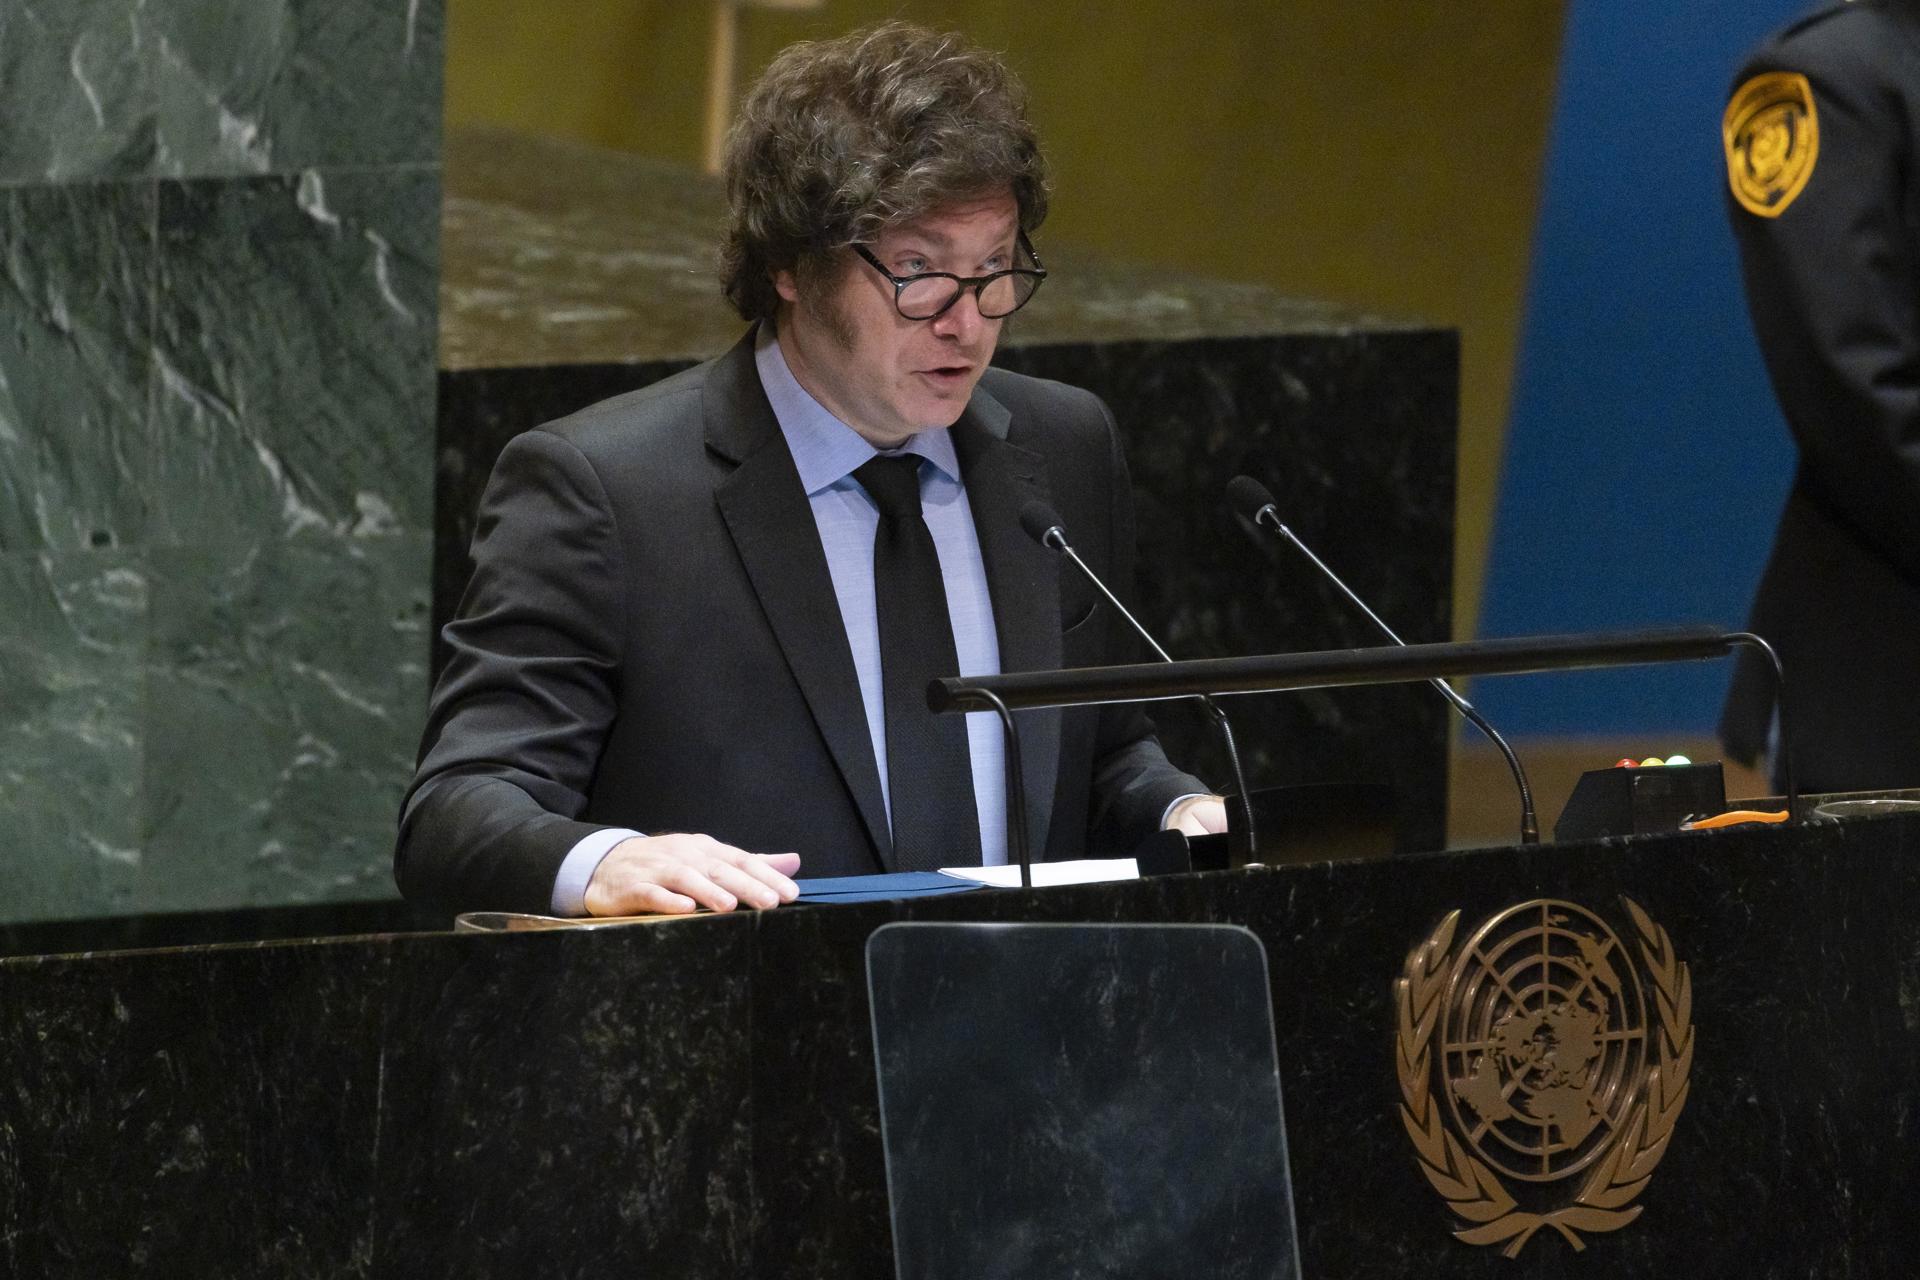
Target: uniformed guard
x=1820 y=134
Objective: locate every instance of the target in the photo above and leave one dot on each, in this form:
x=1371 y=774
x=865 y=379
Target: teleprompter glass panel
x=1069 y=1100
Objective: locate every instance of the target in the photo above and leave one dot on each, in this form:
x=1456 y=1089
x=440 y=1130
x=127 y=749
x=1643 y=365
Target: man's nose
x=962 y=320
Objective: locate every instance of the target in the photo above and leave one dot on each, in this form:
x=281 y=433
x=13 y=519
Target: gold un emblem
x=1539 y=1085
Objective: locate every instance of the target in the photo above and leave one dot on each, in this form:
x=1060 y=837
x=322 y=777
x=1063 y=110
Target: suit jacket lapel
x=1023 y=580
x=772 y=525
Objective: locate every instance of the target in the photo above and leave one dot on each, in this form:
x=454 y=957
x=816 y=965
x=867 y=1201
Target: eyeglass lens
x=931 y=295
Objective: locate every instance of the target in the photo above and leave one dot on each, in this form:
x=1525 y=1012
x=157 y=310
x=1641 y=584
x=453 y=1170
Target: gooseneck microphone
x=1252 y=500
x=1043 y=525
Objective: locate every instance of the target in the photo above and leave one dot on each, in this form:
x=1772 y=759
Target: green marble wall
x=219 y=228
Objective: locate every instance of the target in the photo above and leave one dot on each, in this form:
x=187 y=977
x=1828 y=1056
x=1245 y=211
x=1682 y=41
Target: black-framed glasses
x=931 y=293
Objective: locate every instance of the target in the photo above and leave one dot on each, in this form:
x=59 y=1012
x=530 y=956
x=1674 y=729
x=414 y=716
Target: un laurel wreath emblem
x=1532 y=1058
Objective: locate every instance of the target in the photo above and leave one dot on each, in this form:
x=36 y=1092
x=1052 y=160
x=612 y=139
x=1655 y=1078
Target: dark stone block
x=1354 y=434
x=203 y=928
x=628 y=1151
x=700 y=1097
x=192 y=1113
x=1191 y=417
x=819 y=1172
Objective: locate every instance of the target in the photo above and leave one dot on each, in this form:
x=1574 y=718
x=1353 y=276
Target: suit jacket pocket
x=1078 y=604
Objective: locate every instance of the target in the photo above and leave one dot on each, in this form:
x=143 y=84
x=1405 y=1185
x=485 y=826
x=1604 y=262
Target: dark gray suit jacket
x=651 y=640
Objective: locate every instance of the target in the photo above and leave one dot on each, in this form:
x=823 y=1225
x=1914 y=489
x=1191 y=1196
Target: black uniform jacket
x=1833 y=283
x=651 y=640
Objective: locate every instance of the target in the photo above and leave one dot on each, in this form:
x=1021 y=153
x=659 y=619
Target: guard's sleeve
x=1833 y=285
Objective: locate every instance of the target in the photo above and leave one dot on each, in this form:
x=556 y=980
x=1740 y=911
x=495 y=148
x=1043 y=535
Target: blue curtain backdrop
x=1646 y=460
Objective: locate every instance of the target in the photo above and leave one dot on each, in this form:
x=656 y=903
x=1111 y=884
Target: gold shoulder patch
x=1772 y=136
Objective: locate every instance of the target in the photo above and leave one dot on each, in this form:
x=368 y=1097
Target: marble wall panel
x=72 y=694
x=219 y=226
x=257 y=86
x=76 y=90
x=195 y=88
x=76 y=266
x=287 y=686
x=295 y=337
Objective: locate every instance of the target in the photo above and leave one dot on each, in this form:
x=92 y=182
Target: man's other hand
x=1198 y=816
x=676 y=874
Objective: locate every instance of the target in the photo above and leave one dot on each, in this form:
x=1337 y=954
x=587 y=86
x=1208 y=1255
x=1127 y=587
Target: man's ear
x=784 y=285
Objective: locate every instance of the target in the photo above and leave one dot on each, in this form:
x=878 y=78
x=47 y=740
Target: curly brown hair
x=842 y=138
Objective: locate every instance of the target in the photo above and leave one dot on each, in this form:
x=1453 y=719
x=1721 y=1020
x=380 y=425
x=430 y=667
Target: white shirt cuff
x=570 y=886
x=1168 y=811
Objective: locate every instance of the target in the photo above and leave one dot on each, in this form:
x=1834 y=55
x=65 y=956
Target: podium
x=700 y=1097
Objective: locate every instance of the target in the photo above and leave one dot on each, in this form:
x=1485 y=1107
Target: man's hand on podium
x=676 y=874
x=1198 y=816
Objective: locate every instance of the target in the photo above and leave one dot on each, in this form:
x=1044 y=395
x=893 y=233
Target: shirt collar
x=826 y=450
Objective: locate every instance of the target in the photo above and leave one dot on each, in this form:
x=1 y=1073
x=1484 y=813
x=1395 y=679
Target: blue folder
x=902 y=884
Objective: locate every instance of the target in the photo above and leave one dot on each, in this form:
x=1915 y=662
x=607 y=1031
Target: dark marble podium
x=698 y=1097
x=572 y=274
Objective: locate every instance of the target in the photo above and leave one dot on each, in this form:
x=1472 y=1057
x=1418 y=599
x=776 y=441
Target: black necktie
x=929 y=771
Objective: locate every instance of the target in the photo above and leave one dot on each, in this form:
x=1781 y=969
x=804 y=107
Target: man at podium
x=704 y=614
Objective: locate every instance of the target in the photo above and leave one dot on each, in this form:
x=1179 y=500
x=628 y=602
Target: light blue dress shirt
x=826 y=452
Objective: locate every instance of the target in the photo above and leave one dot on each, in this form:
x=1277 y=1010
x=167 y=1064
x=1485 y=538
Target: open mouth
x=950 y=373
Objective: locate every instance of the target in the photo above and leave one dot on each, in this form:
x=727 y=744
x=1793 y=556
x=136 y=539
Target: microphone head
x=1040 y=520
x=1249 y=496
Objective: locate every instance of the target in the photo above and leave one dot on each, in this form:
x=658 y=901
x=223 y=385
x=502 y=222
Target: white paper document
x=1083 y=871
